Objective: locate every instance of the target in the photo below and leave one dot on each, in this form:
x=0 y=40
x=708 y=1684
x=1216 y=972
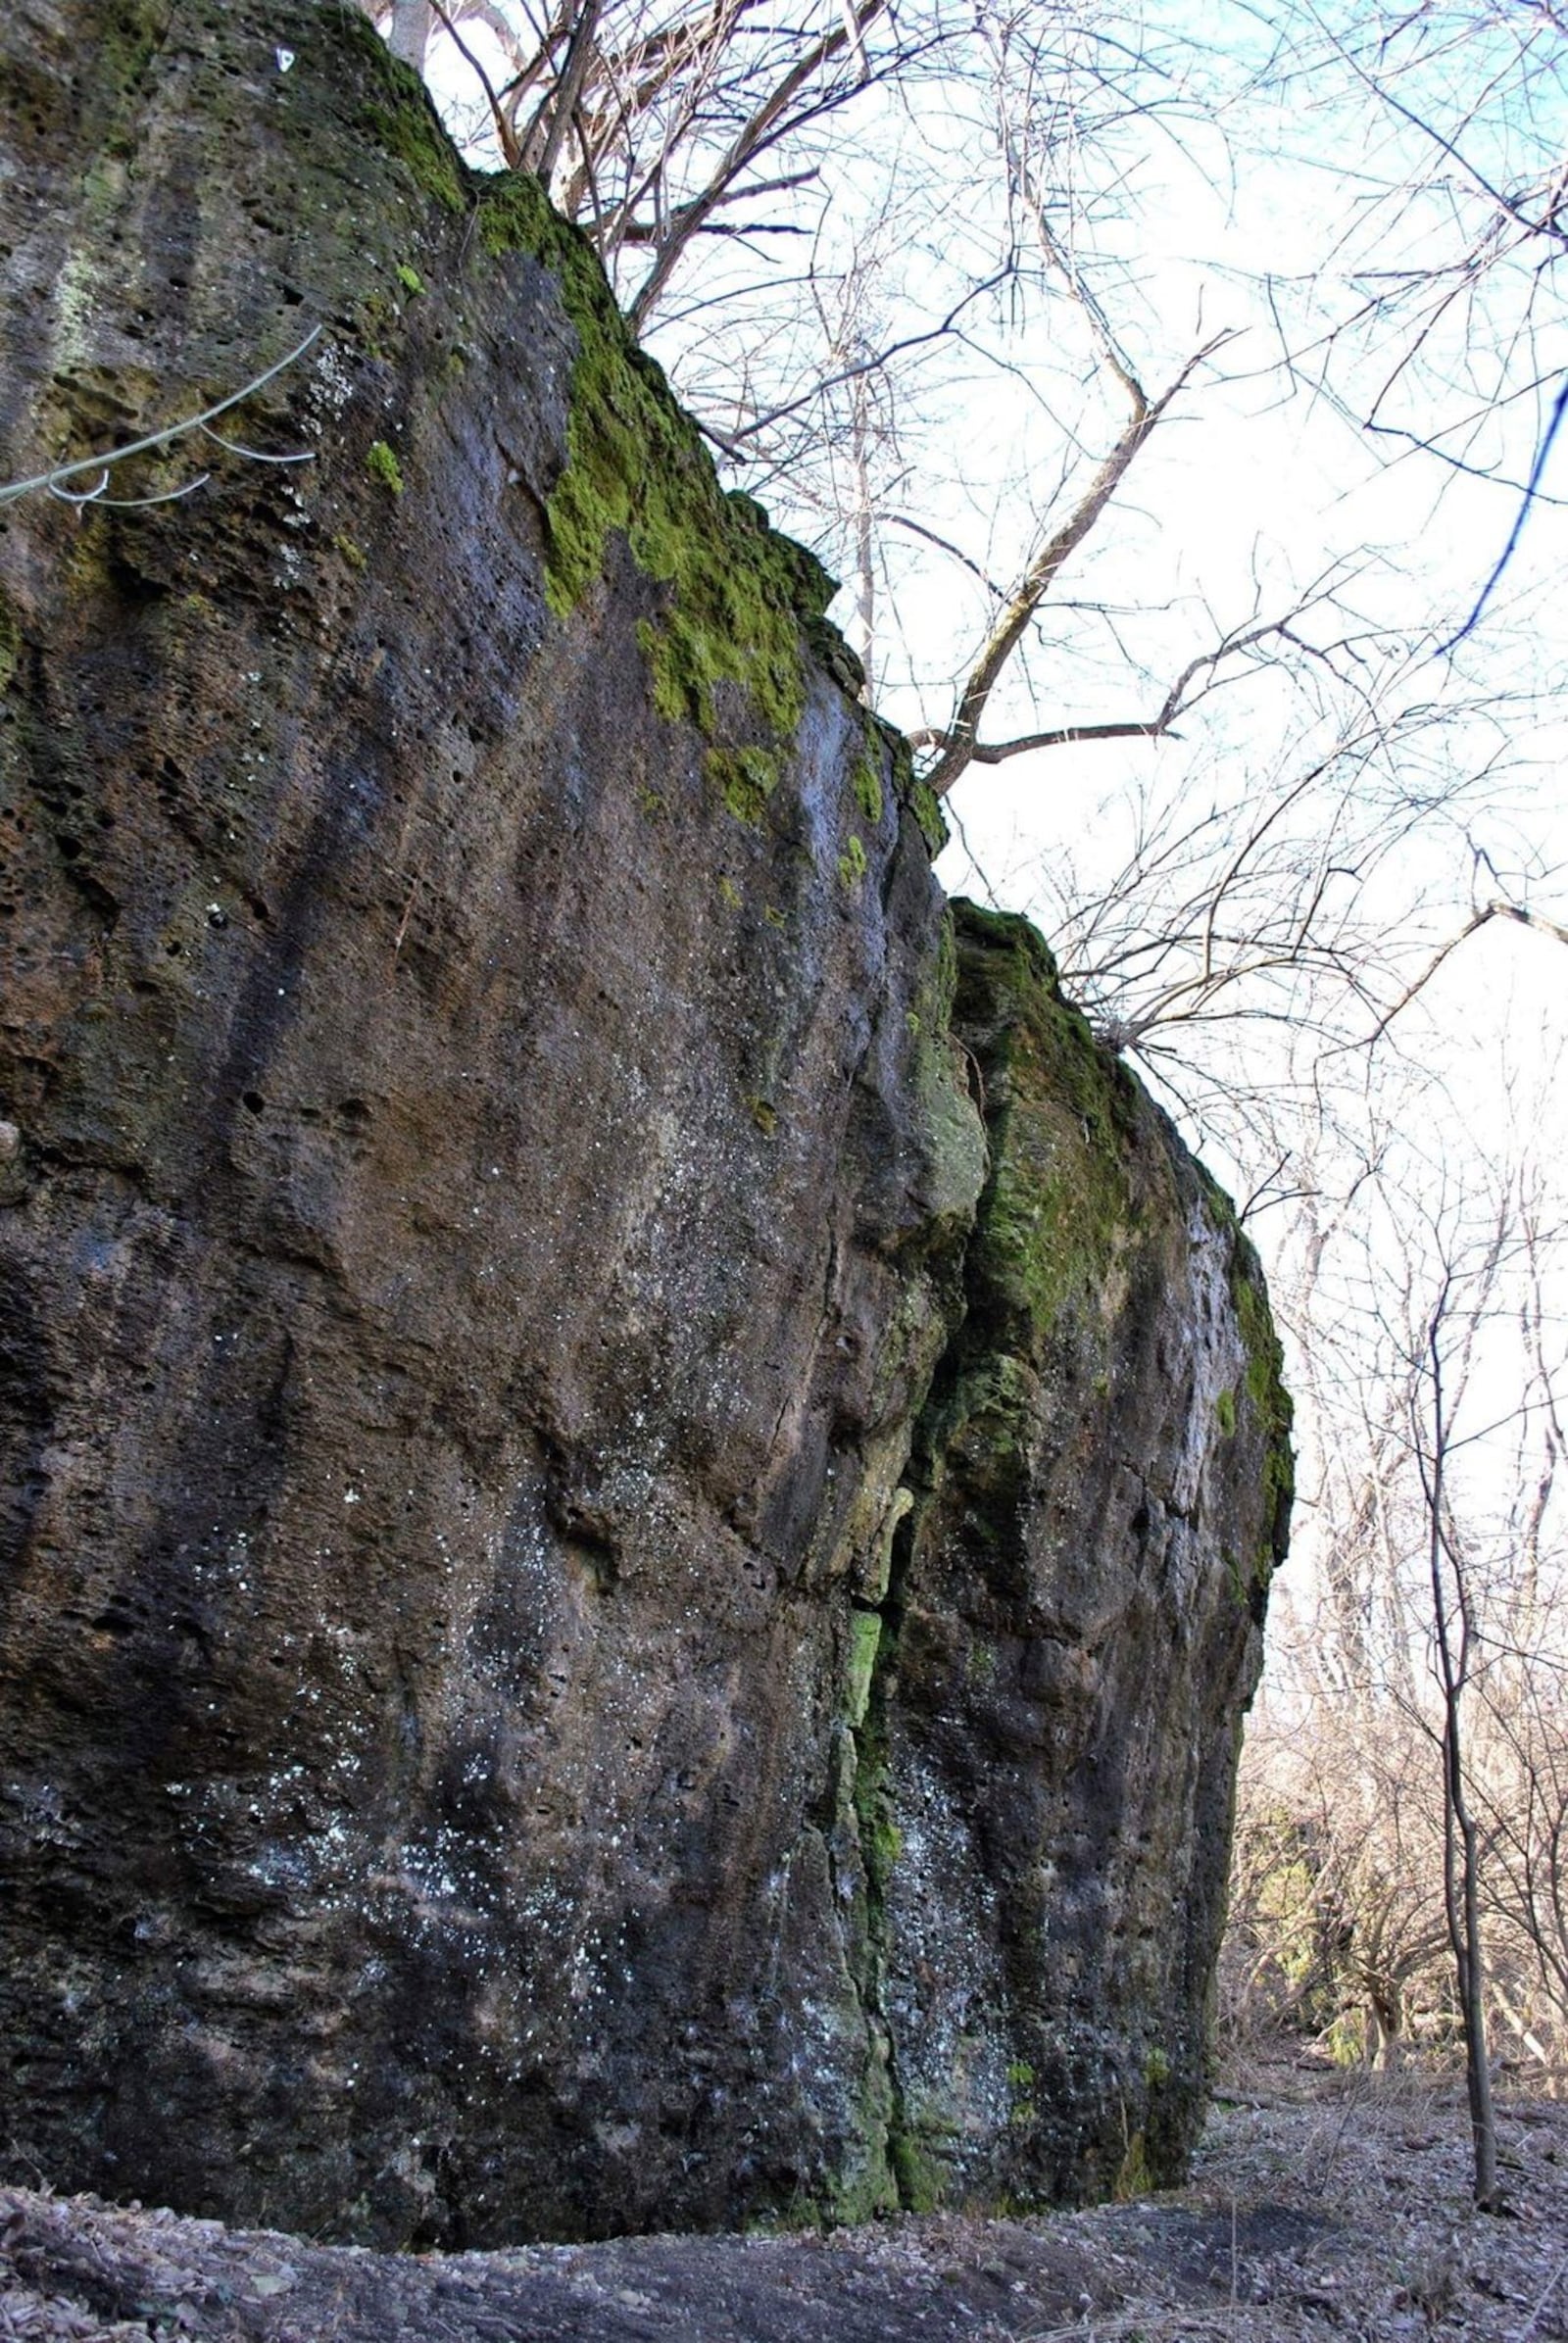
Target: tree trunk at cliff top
x=613 y=1613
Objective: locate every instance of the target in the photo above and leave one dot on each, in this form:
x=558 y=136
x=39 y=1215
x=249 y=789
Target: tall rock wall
x=635 y=1490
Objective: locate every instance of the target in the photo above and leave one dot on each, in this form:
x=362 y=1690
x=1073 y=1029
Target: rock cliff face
x=637 y=1491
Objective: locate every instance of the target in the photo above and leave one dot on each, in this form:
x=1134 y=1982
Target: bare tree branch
x=1042 y=574
x=504 y=131
x=1519 y=913
x=756 y=134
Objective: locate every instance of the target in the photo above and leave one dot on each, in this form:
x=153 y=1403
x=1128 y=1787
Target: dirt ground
x=1321 y=2206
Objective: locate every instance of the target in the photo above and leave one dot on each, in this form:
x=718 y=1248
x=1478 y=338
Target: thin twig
x=1517 y=913
x=57 y=472
x=511 y=152
x=1044 y=568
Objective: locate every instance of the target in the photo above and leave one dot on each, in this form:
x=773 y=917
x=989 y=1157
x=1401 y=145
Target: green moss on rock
x=401 y=121
x=866 y=782
x=1264 y=1381
x=926 y=807
x=738 y=594
x=919 y=797
x=865 y=1635
x=724 y=652
x=744 y=777
x=1057 y=1208
x=921 y=2178
x=383 y=464
x=852 y=864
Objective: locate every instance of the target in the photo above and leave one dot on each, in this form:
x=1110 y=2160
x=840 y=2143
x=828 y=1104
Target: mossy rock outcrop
x=635 y=1490
x=1099 y=1495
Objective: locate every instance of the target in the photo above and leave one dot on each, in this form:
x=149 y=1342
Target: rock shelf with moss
x=738 y=592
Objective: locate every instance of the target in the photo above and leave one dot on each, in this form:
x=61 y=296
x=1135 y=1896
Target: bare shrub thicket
x=1433 y=1341
x=1338 y=1932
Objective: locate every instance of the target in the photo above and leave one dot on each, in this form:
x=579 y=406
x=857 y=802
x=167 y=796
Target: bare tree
x=655 y=128
x=1440 y=1371
x=1417 y=1757
x=1463 y=164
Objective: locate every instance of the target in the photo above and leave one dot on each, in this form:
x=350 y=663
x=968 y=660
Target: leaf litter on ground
x=1322 y=2205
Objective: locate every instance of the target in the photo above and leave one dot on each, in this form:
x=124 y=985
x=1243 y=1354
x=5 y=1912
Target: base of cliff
x=1321 y=2203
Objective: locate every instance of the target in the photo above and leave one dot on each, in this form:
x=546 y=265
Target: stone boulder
x=635 y=1486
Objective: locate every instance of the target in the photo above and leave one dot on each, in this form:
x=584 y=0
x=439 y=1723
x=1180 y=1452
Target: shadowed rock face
x=616 y=1609
x=1099 y=1492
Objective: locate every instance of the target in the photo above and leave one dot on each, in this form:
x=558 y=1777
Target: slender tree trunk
x=1460 y=1855
x=1460 y=1882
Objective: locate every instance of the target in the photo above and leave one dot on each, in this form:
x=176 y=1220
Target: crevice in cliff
x=1050 y=1346
x=974 y=1395
x=876 y=1633
x=877 y=1625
